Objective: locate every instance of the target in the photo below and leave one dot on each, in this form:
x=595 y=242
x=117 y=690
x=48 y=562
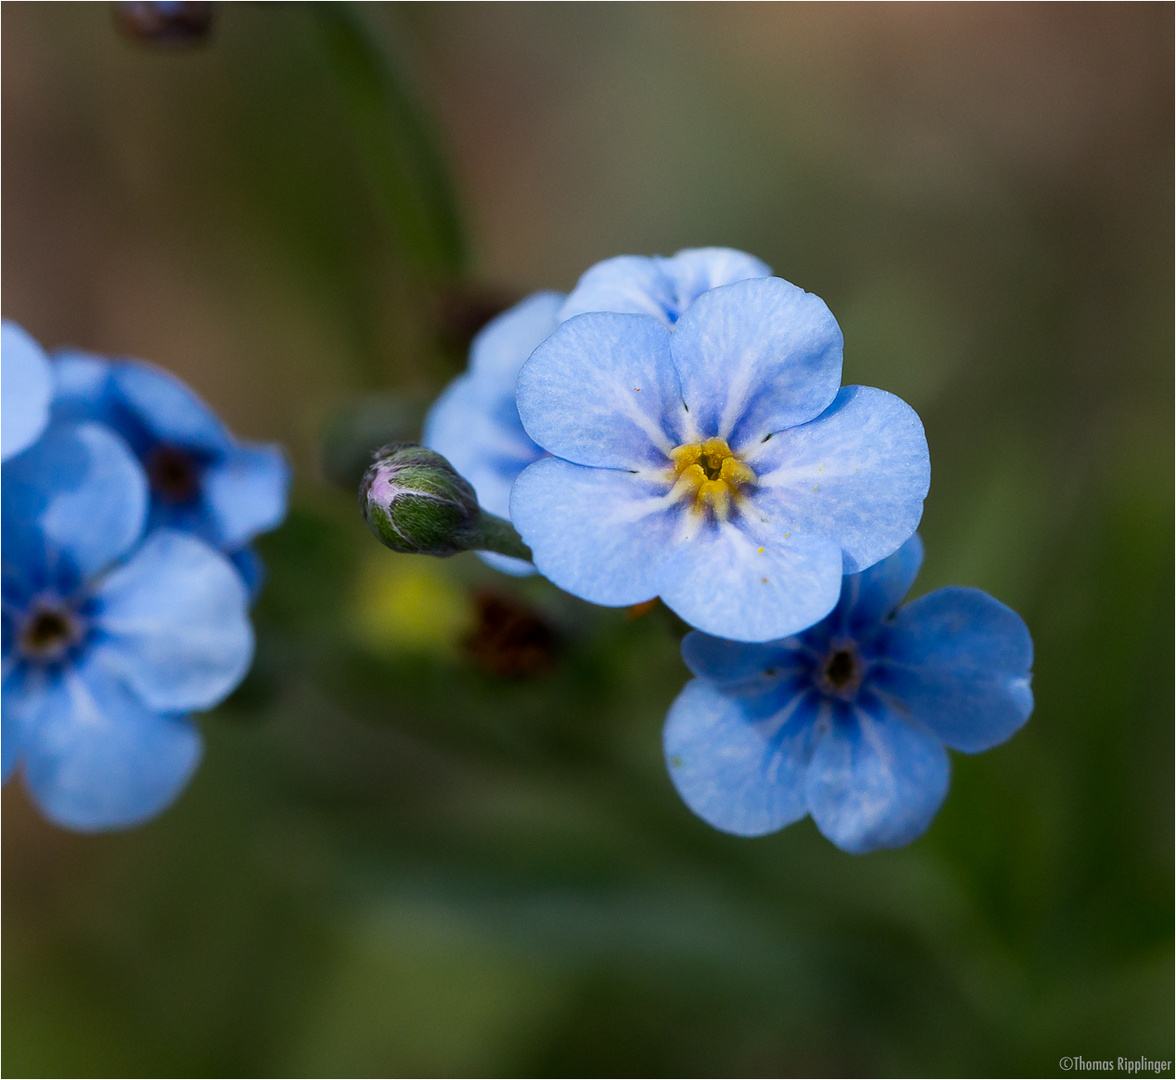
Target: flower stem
x=499 y=535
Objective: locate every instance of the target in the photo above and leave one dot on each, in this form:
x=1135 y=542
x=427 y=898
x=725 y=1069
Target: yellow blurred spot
x=409 y=602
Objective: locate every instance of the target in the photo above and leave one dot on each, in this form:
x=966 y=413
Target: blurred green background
x=433 y=834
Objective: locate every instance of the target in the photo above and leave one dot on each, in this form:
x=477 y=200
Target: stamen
x=712 y=475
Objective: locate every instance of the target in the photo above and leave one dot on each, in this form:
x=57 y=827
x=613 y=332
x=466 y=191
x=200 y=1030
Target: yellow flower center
x=711 y=476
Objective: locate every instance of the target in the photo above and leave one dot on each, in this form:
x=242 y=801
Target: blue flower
x=848 y=721
x=26 y=387
x=658 y=286
x=111 y=635
x=717 y=464
x=475 y=423
x=202 y=480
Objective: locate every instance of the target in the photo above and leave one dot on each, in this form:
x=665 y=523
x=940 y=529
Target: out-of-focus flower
x=716 y=464
x=202 y=480
x=475 y=422
x=168 y=23
x=26 y=388
x=111 y=635
x=848 y=721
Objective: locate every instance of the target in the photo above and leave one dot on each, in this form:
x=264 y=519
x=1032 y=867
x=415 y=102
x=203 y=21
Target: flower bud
x=417 y=503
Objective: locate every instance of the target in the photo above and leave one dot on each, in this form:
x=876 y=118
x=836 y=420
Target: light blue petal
x=85 y=491
x=251 y=567
x=875 y=781
x=26 y=388
x=100 y=760
x=602 y=391
x=959 y=662
x=742 y=775
x=173 y=622
x=21 y=700
x=82 y=388
x=656 y=286
x=169 y=408
x=627 y=284
x=245 y=493
x=504 y=564
x=755 y=357
x=733 y=584
x=477 y=429
x=734 y=663
x=867 y=598
x=504 y=343
x=600 y=534
x=858 y=474
x=697 y=270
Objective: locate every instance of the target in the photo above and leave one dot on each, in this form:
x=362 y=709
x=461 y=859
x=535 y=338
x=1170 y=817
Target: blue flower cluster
x=677 y=428
x=127 y=511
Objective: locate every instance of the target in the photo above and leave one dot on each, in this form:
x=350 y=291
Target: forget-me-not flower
x=717 y=463
x=202 y=479
x=26 y=388
x=848 y=721
x=475 y=423
x=111 y=634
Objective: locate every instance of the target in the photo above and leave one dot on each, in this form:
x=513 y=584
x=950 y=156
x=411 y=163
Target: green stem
x=499 y=535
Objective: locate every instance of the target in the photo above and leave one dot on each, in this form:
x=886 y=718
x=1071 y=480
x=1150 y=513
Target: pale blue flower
x=716 y=463
x=26 y=387
x=111 y=635
x=201 y=478
x=475 y=423
x=848 y=721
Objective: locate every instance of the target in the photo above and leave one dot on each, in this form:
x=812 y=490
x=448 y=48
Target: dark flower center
x=49 y=632
x=841 y=668
x=173 y=473
x=841 y=673
x=712 y=464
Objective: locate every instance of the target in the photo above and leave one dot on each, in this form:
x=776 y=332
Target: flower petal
x=600 y=534
x=82 y=389
x=251 y=567
x=26 y=388
x=99 y=759
x=742 y=775
x=732 y=584
x=736 y=663
x=504 y=564
x=959 y=661
x=697 y=270
x=84 y=491
x=21 y=699
x=875 y=781
x=173 y=623
x=168 y=408
x=628 y=284
x=755 y=357
x=602 y=391
x=867 y=598
x=857 y=474
x=477 y=428
x=245 y=493
x=504 y=343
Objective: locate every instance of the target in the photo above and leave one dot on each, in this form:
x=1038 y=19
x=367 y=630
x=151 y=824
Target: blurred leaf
x=397 y=142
